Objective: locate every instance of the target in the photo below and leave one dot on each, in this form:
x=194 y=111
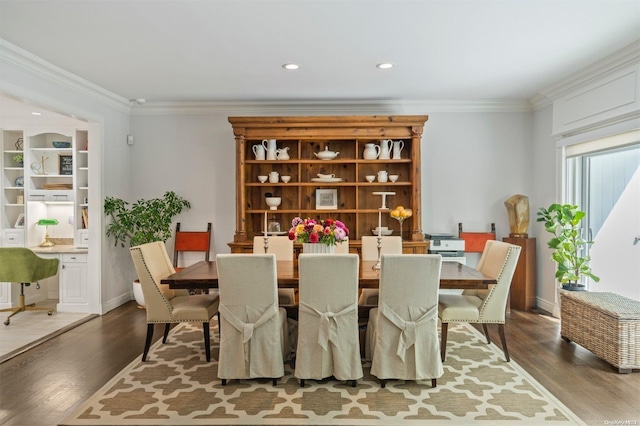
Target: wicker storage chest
x=607 y=324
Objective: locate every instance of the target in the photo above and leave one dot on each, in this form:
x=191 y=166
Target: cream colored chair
x=342 y=248
x=402 y=334
x=282 y=247
x=389 y=245
x=498 y=260
x=164 y=305
x=328 y=342
x=254 y=333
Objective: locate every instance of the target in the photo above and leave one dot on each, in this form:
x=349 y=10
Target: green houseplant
x=142 y=222
x=562 y=220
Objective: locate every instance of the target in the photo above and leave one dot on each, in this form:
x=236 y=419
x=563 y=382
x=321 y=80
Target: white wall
x=194 y=155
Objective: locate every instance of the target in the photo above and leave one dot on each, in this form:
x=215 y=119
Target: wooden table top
x=453 y=275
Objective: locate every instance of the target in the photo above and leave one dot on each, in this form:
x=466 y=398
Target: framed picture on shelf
x=20 y=221
x=65 y=164
x=326 y=199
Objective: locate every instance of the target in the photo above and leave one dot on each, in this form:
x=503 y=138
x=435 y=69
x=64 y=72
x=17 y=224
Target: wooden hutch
x=357 y=206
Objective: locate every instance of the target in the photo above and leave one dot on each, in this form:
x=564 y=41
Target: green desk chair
x=21 y=265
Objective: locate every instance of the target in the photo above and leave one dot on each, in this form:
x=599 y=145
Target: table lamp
x=47 y=222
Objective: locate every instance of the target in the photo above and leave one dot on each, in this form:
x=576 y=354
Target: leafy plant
x=18 y=158
x=562 y=220
x=145 y=221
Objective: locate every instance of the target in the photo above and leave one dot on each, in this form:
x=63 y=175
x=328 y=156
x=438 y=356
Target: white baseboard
x=116 y=302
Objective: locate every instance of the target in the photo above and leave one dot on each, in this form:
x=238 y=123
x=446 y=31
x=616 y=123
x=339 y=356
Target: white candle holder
x=380 y=210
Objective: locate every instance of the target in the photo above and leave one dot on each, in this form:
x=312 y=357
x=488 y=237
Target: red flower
x=314 y=238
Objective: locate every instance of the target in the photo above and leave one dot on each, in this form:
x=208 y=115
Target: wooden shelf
x=303 y=137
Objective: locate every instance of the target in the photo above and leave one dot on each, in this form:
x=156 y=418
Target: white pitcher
x=274 y=177
x=385 y=149
x=258 y=151
x=371 y=151
x=397 y=149
x=383 y=176
x=270 y=146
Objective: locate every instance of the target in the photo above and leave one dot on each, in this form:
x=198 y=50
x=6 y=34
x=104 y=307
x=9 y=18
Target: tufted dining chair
x=389 y=245
x=282 y=247
x=254 y=331
x=402 y=334
x=484 y=307
x=165 y=305
x=328 y=342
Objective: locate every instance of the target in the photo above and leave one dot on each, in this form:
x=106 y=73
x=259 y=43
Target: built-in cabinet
x=336 y=187
x=45 y=175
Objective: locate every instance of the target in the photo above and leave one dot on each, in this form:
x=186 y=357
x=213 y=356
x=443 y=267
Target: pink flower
x=314 y=238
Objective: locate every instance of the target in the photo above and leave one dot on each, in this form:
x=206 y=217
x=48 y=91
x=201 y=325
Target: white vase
x=317 y=248
x=137 y=294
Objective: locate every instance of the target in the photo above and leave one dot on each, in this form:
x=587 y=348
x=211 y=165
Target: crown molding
x=623 y=58
x=327 y=107
x=19 y=58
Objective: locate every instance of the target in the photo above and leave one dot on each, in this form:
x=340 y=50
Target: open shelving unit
x=357 y=206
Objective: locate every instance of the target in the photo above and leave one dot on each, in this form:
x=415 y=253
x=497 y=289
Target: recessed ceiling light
x=36 y=113
x=385 y=65
x=291 y=66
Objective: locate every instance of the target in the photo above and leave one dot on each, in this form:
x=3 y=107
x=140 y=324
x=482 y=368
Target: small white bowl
x=393 y=178
x=285 y=179
x=273 y=202
x=263 y=179
x=370 y=178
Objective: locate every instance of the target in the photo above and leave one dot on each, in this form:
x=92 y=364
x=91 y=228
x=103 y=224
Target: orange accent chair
x=474 y=242
x=190 y=241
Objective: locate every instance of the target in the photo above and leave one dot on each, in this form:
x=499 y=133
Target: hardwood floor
x=42 y=385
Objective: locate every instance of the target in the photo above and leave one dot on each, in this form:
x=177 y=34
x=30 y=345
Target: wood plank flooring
x=41 y=386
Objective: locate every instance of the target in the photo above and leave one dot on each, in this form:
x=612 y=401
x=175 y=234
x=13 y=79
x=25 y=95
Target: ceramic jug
x=282 y=154
x=274 y=177
x=270 y=146
x=397 y=149
x=383 y=176
x=385 y=149
x=371 y=151
x=258 y=151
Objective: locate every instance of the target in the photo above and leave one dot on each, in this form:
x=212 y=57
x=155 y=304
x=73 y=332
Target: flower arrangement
x=326 y=231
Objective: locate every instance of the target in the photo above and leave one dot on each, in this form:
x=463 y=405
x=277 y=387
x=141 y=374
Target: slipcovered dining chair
x=165 y=305
x=484 y=307
x=282 y=247
x=23 y=266
x=343 y=247
x=254 y=333
x=389 y=245
x=328 y=341
x=402 y=334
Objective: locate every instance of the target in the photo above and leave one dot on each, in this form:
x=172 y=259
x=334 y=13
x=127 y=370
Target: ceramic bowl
x=273 y=202
x=370 y=178
x=385 y=231
x=263 y=179
x=321 y=176
x=393 y=178
x=58 y=144
x=285 y=179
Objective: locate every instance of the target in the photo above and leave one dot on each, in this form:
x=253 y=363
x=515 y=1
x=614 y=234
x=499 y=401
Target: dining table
x=204 y=275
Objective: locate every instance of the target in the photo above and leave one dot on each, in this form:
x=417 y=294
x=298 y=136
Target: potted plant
x=142 y=222
x=562 y=220
x=19 y=159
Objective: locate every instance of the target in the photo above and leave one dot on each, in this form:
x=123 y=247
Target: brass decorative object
x=518 y=211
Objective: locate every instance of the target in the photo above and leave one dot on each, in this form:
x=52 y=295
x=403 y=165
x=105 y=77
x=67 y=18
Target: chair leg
x=486 y=332
x=207 y=340
x=224 y=382
x=147 y=343
x=301 y=383
x=274 y=382
x=167 y=327
x=503 y=340
x=22 y=306
x=383 y=383
x=434 y=383
x=353 y=383
x=443 y=340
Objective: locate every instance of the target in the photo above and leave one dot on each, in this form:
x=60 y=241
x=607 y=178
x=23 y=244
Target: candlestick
x=265 y=224
x=379 y=222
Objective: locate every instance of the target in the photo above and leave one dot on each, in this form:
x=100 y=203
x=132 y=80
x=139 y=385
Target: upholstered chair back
x=389 y=245
x=281 y=246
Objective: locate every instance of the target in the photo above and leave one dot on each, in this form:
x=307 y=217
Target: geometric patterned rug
x=176 y=386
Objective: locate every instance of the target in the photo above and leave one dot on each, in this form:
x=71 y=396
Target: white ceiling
x=232 y=50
